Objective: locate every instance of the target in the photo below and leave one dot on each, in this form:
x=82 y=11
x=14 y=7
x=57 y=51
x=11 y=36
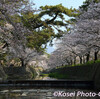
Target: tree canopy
x=24 y=31
x=82 y=43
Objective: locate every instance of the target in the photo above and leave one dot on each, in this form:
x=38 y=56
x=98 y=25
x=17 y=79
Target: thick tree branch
x=47 y=22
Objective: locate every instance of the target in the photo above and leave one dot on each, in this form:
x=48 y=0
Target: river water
x=47 y=93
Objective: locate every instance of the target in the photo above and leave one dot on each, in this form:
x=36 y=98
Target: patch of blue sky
x=66 y=3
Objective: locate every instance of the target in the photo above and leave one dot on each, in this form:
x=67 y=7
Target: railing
x=48 y=83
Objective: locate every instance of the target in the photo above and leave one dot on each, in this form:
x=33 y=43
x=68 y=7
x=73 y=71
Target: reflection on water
x=44 y=78
x=48 y=94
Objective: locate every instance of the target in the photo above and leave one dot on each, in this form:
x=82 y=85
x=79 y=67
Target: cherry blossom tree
x=83 y=40
x=13 y=33
x=88 y=23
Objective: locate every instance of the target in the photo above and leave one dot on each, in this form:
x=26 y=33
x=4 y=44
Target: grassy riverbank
x=79 y=71
x=57 y=75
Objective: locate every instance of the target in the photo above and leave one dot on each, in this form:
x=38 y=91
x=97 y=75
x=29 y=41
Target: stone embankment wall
x=96 y=78
x=3 y=76
x=91 y=72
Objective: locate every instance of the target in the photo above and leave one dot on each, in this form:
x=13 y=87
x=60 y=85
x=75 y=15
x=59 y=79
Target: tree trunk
x=84 y=59
x=71 y=62
x=22 y=62
x=95 y=55
x=80 y=60
x=88 y=56
x=74 y=60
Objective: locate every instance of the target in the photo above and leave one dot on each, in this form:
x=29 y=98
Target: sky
x=66 y=3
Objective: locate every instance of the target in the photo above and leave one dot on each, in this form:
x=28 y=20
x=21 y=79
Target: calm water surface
x=47 y=93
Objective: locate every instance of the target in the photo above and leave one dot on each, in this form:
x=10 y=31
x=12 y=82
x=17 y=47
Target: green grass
x=57 y=75
x=44 y=75
x=86 y=64
x=97 y=61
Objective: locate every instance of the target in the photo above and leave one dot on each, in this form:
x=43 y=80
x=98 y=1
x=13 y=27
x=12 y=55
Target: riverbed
x=48 y=94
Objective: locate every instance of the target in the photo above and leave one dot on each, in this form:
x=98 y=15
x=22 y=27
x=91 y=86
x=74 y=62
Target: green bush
x=97 y=61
